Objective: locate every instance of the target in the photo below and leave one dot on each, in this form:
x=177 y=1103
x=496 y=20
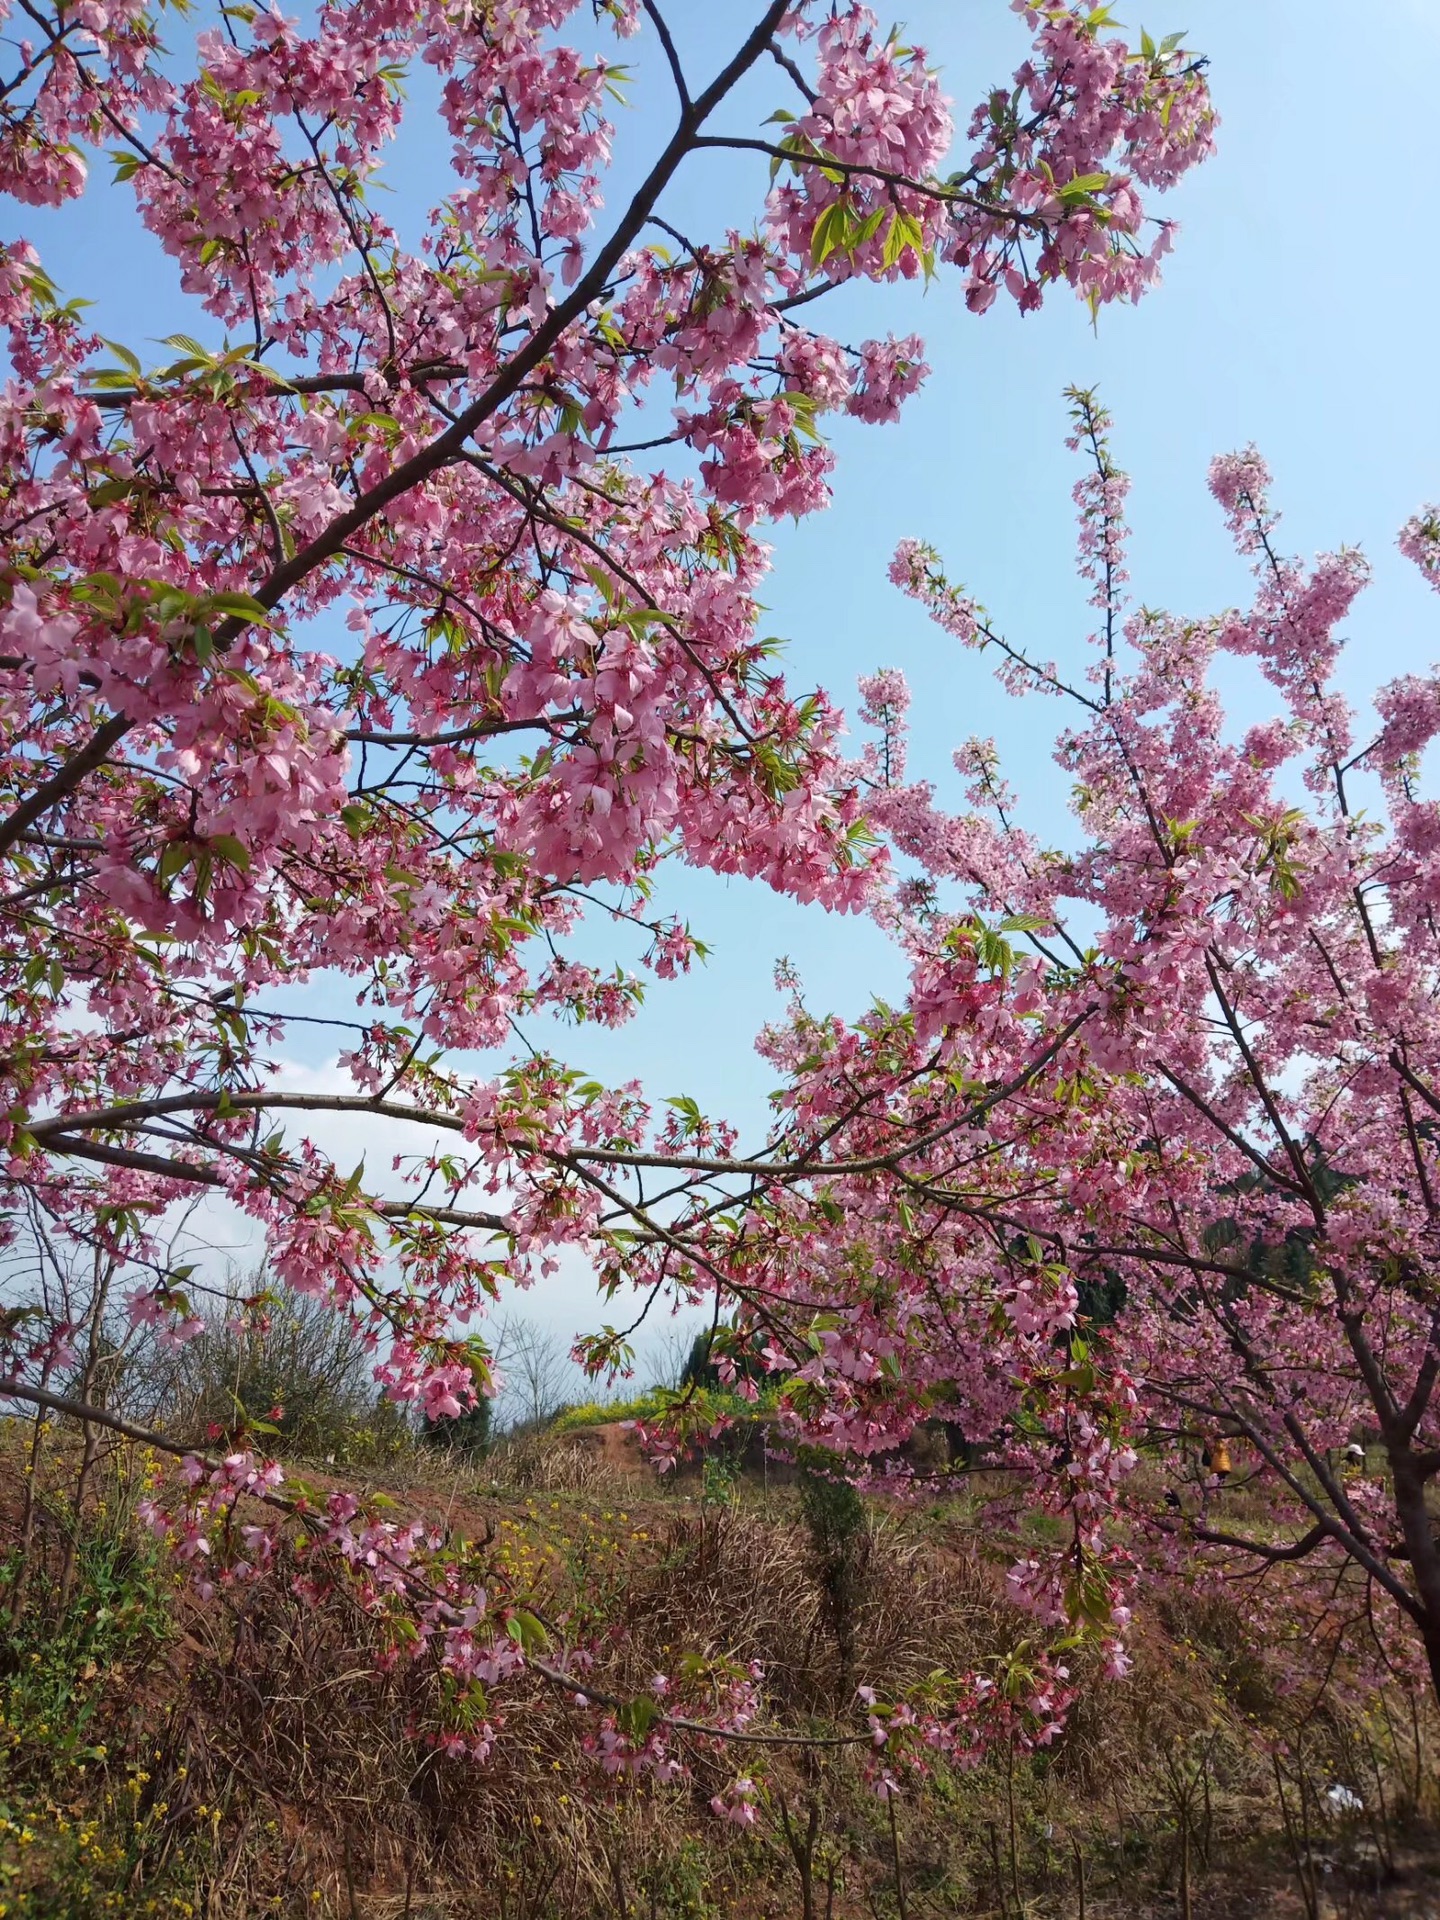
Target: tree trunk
x=1418 y=1529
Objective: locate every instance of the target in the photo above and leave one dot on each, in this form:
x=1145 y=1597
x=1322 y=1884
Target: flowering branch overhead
x=348 y=644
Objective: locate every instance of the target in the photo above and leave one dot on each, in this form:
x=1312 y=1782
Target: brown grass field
x=161 y=1757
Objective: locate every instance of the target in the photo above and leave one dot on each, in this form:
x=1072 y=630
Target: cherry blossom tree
x=1150 y=1150
x=395 y=620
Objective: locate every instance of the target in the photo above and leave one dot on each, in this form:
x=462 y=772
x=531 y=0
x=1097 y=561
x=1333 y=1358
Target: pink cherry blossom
x=390 y=629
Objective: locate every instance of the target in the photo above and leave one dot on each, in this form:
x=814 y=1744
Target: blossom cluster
x=388 y=631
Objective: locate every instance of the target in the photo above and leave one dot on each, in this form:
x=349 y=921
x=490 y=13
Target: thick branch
x=64 y=780
x=57 y=1131
x=1297 y=1550
x=447 y=446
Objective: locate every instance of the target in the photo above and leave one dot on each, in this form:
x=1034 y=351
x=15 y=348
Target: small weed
x=84 y=1828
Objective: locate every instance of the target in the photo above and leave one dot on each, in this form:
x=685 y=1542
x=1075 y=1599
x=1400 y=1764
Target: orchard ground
x=166 y=1757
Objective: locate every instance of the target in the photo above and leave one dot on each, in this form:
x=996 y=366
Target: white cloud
x=220 y=1238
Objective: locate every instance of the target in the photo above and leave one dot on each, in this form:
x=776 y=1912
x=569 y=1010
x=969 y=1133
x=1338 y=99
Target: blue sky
x=1298 y=311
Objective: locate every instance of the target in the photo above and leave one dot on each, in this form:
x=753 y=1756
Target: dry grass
x=283 y=1773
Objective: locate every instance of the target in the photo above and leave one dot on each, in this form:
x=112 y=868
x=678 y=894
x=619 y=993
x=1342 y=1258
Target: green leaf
x=110 y=492
x=605 y=584
x=829 y=232
x=638 y=1716
x=689 y=1111
x=1081 y=1378
x=231 y=850
x=871 y=227
x=239 y=606
x=186 y=343
x=527 y=1632
x=641 y=617
x=174 y=859
x=124 y=353
x=904 y=232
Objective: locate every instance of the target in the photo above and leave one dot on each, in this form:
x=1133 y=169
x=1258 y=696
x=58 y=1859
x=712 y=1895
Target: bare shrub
x=299 y=1370
x=533 y=1461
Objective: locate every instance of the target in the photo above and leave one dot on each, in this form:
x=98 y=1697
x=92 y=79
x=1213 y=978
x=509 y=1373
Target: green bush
x=466 y=1433
x=834 y=1517
x=704 y=1404
x=86 y=1828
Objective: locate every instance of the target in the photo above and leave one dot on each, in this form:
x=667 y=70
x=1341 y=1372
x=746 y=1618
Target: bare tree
x=537 y=1372
x=70 y=1286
